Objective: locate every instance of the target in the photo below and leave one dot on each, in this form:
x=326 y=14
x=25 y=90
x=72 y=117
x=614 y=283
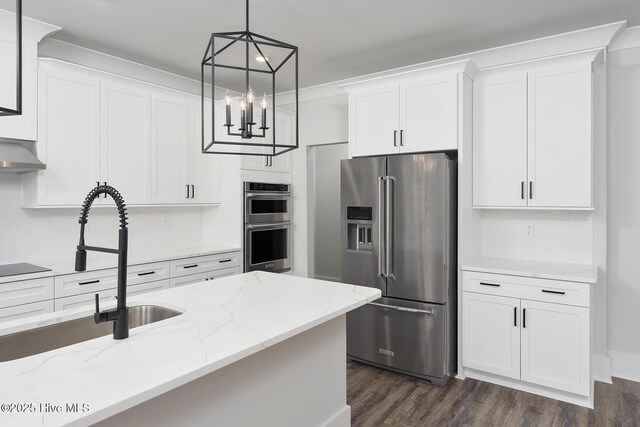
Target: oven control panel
x=264 y=186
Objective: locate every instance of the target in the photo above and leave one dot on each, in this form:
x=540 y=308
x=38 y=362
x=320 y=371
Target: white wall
x=322 y=121
x=623 y=225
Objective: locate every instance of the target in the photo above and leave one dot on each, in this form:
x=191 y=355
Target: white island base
x=298 y=382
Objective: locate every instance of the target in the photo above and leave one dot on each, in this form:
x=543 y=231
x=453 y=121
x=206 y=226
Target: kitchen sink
x=47 y=338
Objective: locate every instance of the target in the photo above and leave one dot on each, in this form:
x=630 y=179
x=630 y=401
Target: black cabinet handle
x=395 y=136
x=490 y=284
x=225 y=260
x=515 y=314
x=531 y=189
x=91 y=282
x=193 y=191
x=187 y=191
x=401 y=137
x=522 y=190
x=553 y=292
x=190 y=266
x=146 y=273
x=524 y=317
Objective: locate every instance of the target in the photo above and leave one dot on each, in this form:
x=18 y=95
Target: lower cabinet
x=209 y=275
x=25 y=310
x=537 y=342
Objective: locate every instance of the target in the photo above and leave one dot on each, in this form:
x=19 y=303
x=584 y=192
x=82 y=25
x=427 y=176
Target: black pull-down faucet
x=119 y=316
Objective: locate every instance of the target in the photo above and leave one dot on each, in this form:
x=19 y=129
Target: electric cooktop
x=20 y=268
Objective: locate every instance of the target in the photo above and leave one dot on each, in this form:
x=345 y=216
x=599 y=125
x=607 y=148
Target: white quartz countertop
x=98 y=261
x=223 y=321
x=585 y=273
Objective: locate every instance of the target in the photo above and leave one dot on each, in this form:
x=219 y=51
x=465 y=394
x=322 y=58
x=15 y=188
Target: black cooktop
x=20 y=268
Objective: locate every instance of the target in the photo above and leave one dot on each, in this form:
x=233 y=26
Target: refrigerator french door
x=399 y=235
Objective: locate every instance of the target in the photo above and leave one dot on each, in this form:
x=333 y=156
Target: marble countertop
x=223 y=321
x=98 y=261
x=584 y=273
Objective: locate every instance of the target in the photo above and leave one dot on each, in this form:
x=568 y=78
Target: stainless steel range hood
x=17 y=156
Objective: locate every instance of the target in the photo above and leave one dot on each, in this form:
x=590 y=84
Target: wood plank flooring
x=383 y=398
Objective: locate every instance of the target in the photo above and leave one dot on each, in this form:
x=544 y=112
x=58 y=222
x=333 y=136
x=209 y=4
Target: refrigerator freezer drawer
x=401 y=335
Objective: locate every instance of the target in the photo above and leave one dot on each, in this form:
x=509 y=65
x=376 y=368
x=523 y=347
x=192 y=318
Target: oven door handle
x=284 y=194
x=270 y=225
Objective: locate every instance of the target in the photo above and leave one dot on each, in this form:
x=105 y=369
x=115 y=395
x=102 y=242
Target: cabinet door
x=169 y=150
x=284 y=135
x=500 y=140
x=126 y=141
x=555 y=346
x=374 y=121
x=428 y=115
x=560 y=136
x=206 y=169
x=69 y=135
x=24 y=126
x=491 y=334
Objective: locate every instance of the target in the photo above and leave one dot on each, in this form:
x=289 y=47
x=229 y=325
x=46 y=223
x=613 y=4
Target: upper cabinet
x=408 y=113
x=143 y=140
x=532 y=136
x=24 y=126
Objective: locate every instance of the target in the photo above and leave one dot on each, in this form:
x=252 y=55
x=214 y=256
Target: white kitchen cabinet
x=491 y=334
x=559 y=149
x=429 y=115
x=26 y=291
x=170 y=149
x=205 y=170
x=532 y=137
x=24 y=126
x=500 y=139
x=284 y=135
x=204 y=277
x=69 y=137
x=26 y=310
x=555 y=340
x=413 y=112
x=532 y=331
x=374 y=116
x=126 y=141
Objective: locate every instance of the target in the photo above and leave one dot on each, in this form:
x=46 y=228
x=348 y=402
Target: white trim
x=340 y=418
x=625 y=365
x=586 y=401
x=554 y=45
x=32 y=29
x=626 y=40
x=601 y=367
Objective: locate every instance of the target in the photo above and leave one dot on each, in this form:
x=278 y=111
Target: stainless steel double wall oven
x=267 y=227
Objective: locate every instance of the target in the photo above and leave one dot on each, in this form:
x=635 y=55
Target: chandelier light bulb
x=227 y=97
x=250 y=96
x=243 y=104
x=264 y=101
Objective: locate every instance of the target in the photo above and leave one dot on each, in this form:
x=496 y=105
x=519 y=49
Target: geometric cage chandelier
x=255 y=64
x=17 y=111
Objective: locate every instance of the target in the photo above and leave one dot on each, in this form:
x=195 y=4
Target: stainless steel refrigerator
x=399 y=235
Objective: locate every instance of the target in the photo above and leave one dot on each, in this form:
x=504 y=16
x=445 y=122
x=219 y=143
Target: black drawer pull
x=490 y=284
x=515 y=314
x=524 y=317
x=225 y=260
x=91 y=282
x=190 y=266
x=147 y=273
x=553 y=292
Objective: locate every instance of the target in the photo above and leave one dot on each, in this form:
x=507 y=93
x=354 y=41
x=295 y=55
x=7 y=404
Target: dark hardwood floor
x=383 y=398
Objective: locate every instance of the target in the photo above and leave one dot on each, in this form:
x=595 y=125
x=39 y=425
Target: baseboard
x=341 y=419
x=601 y=367
x=625 y=365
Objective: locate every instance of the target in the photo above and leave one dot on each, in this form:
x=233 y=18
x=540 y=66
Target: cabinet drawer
x=98 y=281
x=189 y=266
x=85 y=300
x=556 y=291
x=26 y=310
x=148 y=287
x=26 y=291
x=208 y=275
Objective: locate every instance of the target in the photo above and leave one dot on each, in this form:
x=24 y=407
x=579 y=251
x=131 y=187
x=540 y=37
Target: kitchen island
x=253 y=349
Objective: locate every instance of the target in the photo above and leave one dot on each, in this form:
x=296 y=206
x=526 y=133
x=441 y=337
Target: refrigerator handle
x=381 y=237
x=389 y=226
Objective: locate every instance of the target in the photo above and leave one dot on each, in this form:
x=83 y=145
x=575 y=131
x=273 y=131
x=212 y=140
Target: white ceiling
x=338 y=39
